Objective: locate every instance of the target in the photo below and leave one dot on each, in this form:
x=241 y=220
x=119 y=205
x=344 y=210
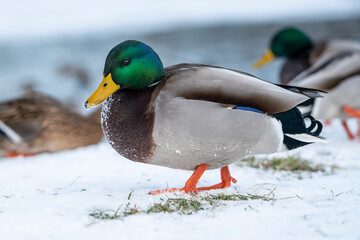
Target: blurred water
x=41 y=63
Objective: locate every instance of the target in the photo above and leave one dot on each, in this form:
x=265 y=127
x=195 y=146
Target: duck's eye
x=125 y=62
x=105 y=84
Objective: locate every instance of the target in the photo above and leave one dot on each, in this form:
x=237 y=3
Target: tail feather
x=314 y=123
x=307 y=106
x=303 y=137
x=296 y=134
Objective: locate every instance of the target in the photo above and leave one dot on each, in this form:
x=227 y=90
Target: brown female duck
x=37 y=123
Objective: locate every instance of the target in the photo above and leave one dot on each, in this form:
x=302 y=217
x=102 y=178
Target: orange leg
x=351 y=112
x=190 y=185
x=15 y=154
x=226 y=180
x=327 y=122
x=346 y=127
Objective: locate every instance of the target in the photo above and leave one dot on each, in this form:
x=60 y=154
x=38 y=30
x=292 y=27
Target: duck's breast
x=128 y=121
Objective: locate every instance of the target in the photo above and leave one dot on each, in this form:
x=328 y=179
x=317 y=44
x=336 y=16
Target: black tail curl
x=293 y=122
x=314 y=123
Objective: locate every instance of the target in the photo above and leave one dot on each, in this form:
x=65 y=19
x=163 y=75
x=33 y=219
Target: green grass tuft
x=104 y=214
x=179 y=205
x=291 y=163
x=121 y=212
x=235 y=197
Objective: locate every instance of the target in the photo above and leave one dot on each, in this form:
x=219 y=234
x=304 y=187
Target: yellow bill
x=266 y=58
x=106 y=88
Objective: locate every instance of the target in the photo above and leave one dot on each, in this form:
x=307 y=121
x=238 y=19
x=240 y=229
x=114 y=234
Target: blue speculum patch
x=248 y=109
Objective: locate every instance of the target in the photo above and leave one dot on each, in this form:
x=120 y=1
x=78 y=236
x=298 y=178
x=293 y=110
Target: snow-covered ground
x=50 y=196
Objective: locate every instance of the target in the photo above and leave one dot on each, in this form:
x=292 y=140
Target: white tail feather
x=303 y=137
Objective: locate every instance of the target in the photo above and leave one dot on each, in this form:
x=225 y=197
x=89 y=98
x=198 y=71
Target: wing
x=226 y=86
x=336 y=63
x=30 y=106
x=18 y=110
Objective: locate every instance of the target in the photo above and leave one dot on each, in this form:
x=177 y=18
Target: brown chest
x=128 y=122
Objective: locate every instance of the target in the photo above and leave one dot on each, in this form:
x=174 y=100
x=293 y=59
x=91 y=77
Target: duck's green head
x=288 y=42
x=129 y=65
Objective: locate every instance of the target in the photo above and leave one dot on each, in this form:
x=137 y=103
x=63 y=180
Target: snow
x=40 y=18
x=50 y=196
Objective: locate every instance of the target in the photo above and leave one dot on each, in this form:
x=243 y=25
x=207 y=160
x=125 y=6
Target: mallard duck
x=332 y=66
x=37 y=123
x=185 y=116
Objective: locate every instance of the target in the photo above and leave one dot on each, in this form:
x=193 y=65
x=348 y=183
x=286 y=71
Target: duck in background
x=37 y=123
x=185 y=116
x=332 y=66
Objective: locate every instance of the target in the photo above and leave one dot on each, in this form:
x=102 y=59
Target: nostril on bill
x=86 y=104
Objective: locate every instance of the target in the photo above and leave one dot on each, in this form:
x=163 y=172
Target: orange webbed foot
x=190 y=185
x=170 y=190
x=15 y=154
